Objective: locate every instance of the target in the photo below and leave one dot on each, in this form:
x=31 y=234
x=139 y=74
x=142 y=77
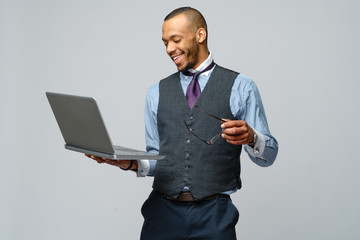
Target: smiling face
x=183 y=42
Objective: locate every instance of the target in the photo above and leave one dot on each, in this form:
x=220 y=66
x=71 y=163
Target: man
x=199 y=118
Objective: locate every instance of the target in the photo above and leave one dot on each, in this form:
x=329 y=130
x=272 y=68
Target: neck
x=203 y=55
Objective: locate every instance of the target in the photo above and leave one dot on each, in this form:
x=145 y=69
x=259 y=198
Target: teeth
x=176 y=57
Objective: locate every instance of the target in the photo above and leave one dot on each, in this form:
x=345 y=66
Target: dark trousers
x=201 y=220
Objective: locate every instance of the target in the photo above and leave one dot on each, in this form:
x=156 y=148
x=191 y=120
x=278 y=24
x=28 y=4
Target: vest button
x=187 y=168
x=186 y=179
x=191 y=117
x=188 y=141
x=187 y=155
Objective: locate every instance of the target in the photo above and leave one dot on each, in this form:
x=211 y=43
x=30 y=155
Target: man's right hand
x=123 y=164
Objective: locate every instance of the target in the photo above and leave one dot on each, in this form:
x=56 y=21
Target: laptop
x=83 y=128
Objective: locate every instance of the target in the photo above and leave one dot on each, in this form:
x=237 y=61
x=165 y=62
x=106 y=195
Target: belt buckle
x=185 y=197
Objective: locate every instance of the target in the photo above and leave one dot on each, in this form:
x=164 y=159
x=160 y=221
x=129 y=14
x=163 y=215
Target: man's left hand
x=237 y=132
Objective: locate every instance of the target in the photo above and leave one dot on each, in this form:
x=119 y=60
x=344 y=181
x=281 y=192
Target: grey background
x=303 y=55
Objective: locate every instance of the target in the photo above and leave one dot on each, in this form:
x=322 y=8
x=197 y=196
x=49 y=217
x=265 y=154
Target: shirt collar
x=202 y=66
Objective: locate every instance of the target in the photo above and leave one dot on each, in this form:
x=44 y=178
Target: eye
x=177 y=40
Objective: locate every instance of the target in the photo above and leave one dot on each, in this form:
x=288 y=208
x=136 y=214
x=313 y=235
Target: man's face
x=180 y=42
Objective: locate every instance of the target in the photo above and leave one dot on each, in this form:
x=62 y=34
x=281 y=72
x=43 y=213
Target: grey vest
x=205 y=169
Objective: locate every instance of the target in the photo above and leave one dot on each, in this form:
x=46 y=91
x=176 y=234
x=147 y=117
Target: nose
x=170 y=48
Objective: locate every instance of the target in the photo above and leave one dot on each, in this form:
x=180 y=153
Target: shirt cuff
x=143 y=168
x=258 y=150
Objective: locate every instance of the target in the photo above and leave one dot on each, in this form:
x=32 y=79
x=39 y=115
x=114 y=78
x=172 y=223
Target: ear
x=201 y=35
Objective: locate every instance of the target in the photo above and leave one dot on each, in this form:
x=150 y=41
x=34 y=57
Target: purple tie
x=193 y=90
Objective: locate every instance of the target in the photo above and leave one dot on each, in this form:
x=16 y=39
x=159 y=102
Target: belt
x=188 y=197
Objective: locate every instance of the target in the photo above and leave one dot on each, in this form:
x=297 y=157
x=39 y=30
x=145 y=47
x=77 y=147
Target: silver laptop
x=84 y=131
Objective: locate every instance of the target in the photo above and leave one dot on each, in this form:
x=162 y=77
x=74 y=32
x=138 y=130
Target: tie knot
x=197 y=73
x=188 y=73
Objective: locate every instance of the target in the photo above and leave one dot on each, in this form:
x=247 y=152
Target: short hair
x=193 y=15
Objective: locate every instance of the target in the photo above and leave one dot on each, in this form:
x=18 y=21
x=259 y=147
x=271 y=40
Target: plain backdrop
x=303 y=56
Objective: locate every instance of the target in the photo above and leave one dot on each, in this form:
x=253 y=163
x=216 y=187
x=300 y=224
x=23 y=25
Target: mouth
x=177 y=59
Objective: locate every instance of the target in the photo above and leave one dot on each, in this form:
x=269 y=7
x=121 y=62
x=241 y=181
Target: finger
x=225 y=120
x=238 y=137
x=235 y=130
x=111 y=162
x=89 y=156
x=234 y=123
x=97 y=159
x=118 y=163
x=101 y=159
